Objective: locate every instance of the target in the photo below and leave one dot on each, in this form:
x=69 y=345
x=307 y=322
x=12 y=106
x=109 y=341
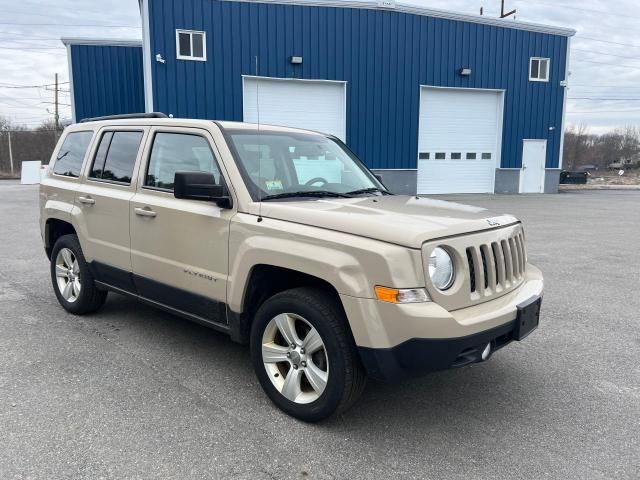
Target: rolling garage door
x=458 y=140
x=314 y=105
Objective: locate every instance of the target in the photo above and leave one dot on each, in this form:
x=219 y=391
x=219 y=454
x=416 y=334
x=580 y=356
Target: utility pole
x=57 y=114
x=505 y=15
x=10 y=152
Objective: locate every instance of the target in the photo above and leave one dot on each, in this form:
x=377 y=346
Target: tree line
x=618 y=147
x=581 y=147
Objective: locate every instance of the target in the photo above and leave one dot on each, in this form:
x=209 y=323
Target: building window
x=486 y=156
x=472 y=156
x=441 y=156
x=191 y=45
x=539 y=69
x=424 y=156
x=456 y=156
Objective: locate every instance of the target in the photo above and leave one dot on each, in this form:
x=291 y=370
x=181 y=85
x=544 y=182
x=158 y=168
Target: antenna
x=259 y=152
x=505 y=15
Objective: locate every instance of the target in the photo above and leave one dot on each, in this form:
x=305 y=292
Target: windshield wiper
x=310 y=193
x=370 y=190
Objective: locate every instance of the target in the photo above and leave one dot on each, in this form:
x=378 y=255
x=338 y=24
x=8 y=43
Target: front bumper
x=422 y=355
x=398 y=341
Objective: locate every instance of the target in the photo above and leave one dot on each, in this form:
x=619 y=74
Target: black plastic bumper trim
x=423 y=355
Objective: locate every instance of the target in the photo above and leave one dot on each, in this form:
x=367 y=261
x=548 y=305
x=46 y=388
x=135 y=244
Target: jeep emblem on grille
x=493 y=222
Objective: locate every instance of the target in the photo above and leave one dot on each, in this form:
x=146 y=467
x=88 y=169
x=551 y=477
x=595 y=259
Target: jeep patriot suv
x=283 y=239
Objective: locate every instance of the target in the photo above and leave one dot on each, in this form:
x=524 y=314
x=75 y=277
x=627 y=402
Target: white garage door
x=314 y=105
x=458 y=140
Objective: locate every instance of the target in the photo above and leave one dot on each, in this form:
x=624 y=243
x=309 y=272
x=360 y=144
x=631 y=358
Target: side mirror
x=200 y=186
x=378 y=177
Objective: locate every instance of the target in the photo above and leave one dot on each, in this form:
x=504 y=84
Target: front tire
x=304 y=356
x=72 y=280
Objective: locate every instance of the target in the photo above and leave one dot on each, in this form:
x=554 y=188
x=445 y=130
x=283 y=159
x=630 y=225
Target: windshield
x=281 y=165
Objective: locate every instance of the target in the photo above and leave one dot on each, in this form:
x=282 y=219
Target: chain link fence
x=26 y=145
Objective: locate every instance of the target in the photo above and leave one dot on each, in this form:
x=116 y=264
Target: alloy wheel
x=295 y=358
x=68 y=275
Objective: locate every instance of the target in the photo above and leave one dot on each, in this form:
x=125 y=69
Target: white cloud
x=610 y=21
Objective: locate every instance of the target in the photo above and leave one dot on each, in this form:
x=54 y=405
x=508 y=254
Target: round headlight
x=441 y=269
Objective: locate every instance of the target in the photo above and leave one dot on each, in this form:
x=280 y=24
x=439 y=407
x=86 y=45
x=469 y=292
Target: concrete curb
x=598 y=187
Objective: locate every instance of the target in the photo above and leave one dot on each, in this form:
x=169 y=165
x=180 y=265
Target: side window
x=178 y=152
x=71 y=154
x=116 y=156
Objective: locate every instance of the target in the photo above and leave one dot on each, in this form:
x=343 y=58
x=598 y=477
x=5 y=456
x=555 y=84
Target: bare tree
x=582 y=148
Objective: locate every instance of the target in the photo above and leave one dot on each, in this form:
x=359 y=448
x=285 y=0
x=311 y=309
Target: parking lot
x=132 y=392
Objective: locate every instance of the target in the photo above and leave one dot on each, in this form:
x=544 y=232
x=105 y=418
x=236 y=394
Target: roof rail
x=125 y=116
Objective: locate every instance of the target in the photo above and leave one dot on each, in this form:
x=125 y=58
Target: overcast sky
x=605 y=58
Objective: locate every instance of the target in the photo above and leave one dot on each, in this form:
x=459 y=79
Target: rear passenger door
x=179 y=248
x=108 y=185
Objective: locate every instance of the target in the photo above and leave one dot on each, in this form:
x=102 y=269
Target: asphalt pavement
x=132 y=392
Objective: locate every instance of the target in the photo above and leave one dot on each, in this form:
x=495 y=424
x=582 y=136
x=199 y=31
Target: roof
x=427 y=12
x=106 y=42
x=192 y=122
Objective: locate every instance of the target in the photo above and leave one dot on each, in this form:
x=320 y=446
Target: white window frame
x=540 y=59
x=190 y=33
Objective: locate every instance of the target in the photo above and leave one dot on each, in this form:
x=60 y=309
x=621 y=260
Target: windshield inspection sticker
x=274 y=185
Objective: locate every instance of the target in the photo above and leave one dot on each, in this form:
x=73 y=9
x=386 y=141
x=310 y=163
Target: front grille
x=497 y=266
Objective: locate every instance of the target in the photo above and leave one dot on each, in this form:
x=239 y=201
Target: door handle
x=87 y=200
x=145 y=212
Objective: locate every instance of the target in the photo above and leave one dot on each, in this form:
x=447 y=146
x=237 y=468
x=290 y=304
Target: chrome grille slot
x=496 y=266
x=472 y=271
x=488 y=264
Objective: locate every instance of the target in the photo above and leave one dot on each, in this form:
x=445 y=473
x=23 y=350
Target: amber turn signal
x=401 y=295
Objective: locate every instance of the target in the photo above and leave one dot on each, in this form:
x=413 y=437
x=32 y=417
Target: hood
x=398 y=219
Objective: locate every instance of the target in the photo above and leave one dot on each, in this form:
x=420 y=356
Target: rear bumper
x=421 y=355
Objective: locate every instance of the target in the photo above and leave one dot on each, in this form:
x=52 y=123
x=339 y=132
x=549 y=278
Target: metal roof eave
x=427 y=12
x=105 y=42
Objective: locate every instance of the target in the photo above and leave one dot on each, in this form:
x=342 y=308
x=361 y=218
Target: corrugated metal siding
x=383 y=55
x=107 y=80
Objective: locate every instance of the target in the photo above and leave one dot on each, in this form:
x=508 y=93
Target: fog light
x=486 y=352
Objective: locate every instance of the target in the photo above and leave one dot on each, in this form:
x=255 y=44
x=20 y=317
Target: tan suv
x=283 y=239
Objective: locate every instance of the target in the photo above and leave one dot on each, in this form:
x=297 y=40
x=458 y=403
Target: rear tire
x=72 y=280
x=304 y=355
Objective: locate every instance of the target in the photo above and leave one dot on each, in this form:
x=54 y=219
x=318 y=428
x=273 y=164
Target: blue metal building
x=105 y=76
x=436 y=102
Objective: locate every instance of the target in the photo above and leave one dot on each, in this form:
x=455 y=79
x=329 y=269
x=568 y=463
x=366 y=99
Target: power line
x=603 y=111
x=32 y=48
x=20 y=34
x=603 y=53
x=88 y=25
x=590 y=10
x=604 y=98
x=612 y=64
x=601 y=86
x=607 y=41
x=15 y=85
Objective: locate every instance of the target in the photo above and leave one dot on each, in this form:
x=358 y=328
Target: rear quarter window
x=71 y=154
